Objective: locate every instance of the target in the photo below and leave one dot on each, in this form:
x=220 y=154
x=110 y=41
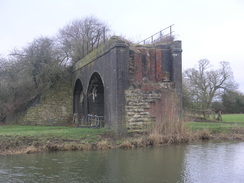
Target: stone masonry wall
x=138 y=102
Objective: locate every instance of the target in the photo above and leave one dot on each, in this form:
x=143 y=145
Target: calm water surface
x=205 y=162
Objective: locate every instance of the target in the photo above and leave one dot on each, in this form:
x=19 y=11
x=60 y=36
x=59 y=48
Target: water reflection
x=214 y=162
x=206 y=162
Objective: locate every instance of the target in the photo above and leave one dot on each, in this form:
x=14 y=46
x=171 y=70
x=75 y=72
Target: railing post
x=160 y=33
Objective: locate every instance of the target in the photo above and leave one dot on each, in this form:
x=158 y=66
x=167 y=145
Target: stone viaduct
x=125 y=82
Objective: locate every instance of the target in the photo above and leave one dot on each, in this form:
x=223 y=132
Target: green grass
x=233 y=117
x=234 y=121
x=214 y=127
x=47 y=132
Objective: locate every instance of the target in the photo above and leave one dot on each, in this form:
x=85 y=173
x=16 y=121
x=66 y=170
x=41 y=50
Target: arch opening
x=78 y=104
x=96 y=95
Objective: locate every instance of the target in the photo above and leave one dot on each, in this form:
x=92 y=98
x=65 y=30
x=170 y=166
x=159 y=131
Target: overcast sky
x=211 y=29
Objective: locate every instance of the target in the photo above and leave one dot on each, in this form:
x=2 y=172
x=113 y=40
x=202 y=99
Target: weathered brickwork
x=146 y=64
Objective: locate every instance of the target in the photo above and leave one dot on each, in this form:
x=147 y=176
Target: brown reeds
x=104 y=144
x=126 y=145
x=169 y=127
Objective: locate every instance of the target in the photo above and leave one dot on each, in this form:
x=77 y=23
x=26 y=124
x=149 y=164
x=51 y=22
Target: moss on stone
x=98 y=52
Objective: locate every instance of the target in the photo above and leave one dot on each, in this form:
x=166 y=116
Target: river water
x=203 y=162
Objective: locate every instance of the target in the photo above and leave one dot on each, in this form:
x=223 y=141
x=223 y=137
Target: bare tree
x=12 y=89
x=41 y=60
x=35 y=68
x=81 y=36
x=203 y=84
x=29 y=72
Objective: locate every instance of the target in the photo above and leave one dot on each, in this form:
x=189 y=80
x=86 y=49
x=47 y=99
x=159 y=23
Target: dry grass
x=126 y=145
x=204 y=134
x=169 y=121
x=104 y=144
x=30 y=149
x=154 y=139
x=169 y=127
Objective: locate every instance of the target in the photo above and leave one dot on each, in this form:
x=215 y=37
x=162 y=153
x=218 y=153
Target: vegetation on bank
x=27 y=139
x=170 y=129
x=30 y=139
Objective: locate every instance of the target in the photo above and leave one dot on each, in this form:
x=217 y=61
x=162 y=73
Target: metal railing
x=93 y=121
x=89 y=45
x=164 y=35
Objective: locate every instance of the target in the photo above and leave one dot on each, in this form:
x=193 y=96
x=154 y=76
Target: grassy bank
x=57 y=132
x=29 y=139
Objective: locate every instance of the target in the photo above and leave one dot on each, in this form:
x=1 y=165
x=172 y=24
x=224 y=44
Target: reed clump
x=204 y=134
x=126 y=145
x=169 y=126
x=104 y=144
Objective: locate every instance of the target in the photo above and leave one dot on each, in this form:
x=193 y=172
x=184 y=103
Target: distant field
x=233 y=117
x=221 y=126
x=214 y=127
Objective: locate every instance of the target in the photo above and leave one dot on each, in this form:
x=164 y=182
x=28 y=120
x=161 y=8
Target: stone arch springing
x=78 y=99
x=95 y=95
